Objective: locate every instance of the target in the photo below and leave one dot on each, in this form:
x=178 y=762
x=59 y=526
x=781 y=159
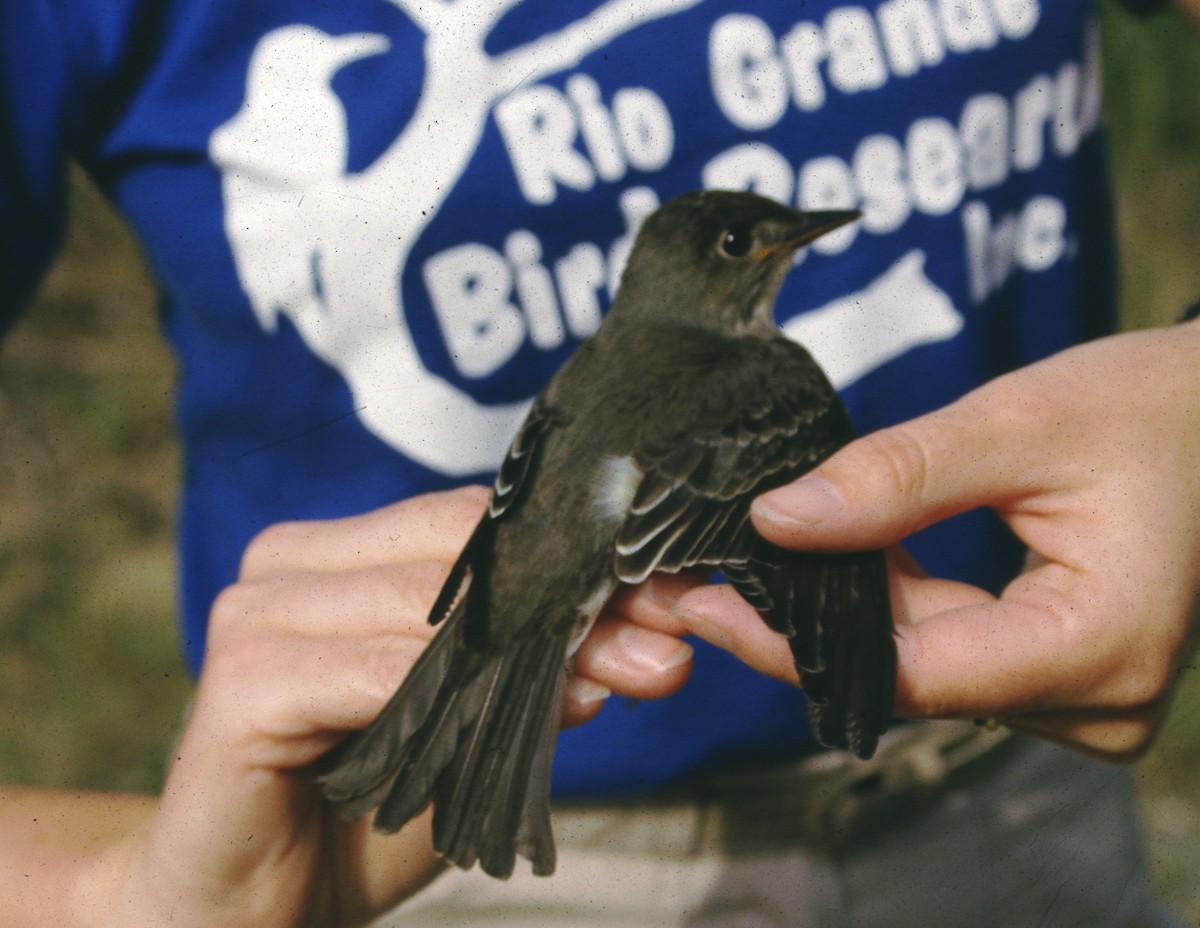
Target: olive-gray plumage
x=642 y=454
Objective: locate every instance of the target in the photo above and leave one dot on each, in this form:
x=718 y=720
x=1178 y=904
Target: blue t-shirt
x=379 y=227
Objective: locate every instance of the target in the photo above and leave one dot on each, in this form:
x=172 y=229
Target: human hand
x=1091 y=458
x=323 y=623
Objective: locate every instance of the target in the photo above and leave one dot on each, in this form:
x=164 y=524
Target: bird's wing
x=692 y=508
x=757 y=423
x=506 y=491
x=518 y=463
x=472 y=728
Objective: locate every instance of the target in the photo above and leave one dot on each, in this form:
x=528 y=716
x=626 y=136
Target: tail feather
x=535 y=838
x=463 y=797
x=361 y=771
x=475 y=734
x=493 y=801
x=419 y=765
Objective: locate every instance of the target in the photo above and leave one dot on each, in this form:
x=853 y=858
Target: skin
x=1083 y=648
x=1090 y=457
x=322 y=624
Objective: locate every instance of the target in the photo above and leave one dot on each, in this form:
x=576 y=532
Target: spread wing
x=759 y=426
x=759 y=413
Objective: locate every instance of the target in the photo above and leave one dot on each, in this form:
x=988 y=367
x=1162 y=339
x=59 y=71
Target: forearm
x=323 y=624
x=60 y=852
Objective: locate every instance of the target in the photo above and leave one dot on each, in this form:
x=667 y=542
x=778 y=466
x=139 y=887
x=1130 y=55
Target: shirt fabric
x=379 y=228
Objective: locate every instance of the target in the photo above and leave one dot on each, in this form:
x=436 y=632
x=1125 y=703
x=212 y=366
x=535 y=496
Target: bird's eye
x=736 y=242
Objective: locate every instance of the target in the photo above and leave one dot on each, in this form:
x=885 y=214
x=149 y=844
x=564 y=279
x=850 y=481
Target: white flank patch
x=616 y=484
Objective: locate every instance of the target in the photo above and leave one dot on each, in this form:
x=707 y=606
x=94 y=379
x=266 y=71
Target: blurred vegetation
x=90 y=678
x=91 y=682
x=1152 y=99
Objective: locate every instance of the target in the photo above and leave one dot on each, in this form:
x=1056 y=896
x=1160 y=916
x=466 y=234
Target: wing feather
x=765 y=424
x=779 y=419
x=518 y=462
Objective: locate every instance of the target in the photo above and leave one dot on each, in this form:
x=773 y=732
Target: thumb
x=880 y=489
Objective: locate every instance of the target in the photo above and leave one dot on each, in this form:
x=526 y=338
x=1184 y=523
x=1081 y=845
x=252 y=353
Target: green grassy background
x=1152 y=94
x=91 y=683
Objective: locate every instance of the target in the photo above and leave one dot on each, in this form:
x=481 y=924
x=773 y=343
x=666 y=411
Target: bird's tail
x=836 y=611
x=472 y=732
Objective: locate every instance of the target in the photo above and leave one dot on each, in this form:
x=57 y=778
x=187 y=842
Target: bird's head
x=717 y=258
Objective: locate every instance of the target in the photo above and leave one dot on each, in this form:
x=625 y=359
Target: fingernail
x=699 y=623
x=663 y=590
x=807 y=501
x=652 y=651
x=584 y=691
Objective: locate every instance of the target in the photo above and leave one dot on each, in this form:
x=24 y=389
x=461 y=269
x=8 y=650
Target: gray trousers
x=1045 y=838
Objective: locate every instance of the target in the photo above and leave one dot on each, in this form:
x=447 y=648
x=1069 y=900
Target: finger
x=1048 y=644
x=390 y=865
x=426 y=527
x=279 y=701
x=651 y=603
x=621 y=657
x=632 y=660
x=721 y=617
x=884 y=487
x=962 y=653
x=1117 y=736
x=361 y=602
x=634 y=649
x=267 y=704
x=918 y=597
x=582 y=701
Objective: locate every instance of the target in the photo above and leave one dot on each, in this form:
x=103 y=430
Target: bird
x=642 y=454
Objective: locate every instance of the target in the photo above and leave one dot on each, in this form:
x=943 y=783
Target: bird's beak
x=815 y=225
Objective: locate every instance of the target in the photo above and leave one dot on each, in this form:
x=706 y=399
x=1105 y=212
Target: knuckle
x=1120 y=670
x=474 y=496
x=463 y=500
x=422 y=581
x=444 y=520
x=233 y=649
x=1145 y=687
x=467 y=504
x=236 y=609
x=384 y=668
x=1141 y=673
x=223 y=616
x=269 y=545
x=405 y=593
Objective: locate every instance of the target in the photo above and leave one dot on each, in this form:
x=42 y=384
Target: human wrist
x=63 y=857
x=105 y=889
